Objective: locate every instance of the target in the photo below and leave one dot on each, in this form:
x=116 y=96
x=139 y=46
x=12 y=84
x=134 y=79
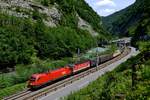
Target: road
x=77 y=85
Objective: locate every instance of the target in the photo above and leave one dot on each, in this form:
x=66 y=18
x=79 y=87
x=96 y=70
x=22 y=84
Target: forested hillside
x=45 y=29
x=125 y=22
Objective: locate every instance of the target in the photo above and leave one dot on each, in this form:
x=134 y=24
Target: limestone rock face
x=25 y=8
x=86 y=26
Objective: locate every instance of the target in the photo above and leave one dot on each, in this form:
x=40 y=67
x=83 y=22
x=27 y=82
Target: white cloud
x=105 y=3
x=107 y=7
x=106 y=12
x=109 y=10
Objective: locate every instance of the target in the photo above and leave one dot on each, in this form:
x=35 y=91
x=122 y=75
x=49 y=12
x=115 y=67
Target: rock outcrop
x=26 y=8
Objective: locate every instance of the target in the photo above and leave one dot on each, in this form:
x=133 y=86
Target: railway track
x=17 y=95
x=30 y=95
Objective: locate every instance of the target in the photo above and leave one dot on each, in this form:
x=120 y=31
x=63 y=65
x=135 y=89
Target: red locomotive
x=38 y=80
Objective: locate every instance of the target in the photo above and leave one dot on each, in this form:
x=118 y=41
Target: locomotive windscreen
x=32 y=79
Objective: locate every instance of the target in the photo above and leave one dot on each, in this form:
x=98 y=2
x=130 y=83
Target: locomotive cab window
x=32 y=79
x=38 y=79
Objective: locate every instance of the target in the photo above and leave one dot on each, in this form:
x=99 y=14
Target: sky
x=108 y=7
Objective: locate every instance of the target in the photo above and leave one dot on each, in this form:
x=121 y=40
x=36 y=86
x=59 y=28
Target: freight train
x=38 y=80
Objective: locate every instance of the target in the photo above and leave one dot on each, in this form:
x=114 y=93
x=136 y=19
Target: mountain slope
x=46 y=29
x=125 y=22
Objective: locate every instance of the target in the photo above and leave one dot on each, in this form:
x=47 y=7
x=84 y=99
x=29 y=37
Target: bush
x=45 y=2
x=15 y=48
x=146 y=72
x=12 y=90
